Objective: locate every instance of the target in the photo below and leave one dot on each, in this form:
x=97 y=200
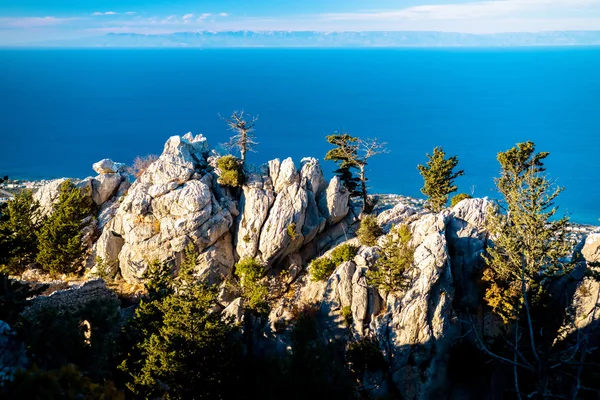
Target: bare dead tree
x=367 y=149
x=242 y=125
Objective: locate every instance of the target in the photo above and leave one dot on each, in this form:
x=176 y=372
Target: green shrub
x=369 y=231
x=291 y=230
x=347 y=315
x=321 y=268
x=343 y=253
x=255 y=293
x=395 y=259
x=458 y=198
x=230 y=171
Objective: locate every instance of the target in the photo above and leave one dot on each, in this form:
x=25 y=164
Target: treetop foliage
x=353 y=153
x=60 y=247
x=19 y=232
x=438 y=174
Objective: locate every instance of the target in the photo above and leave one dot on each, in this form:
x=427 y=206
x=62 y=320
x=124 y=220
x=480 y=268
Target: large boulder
x=108 y=166
x=333 y=203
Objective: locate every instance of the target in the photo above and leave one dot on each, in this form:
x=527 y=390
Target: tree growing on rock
x=369 y=231
x=354 y=153
x=19 y=230
x=244 y=139
x=60 y=239
x=395 y=259
x=438 y=174
x=529 y=254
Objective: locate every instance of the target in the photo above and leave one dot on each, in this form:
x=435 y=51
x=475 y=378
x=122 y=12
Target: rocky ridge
x=286 y=216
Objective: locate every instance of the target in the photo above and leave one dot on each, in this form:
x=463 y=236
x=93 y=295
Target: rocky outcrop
x=169 y=206
x=415 y=327
x=48 y=194
x=467 y=239
x=591 y=248
x=283 y=209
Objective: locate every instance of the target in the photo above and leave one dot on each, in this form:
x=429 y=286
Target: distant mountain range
x=206 y=39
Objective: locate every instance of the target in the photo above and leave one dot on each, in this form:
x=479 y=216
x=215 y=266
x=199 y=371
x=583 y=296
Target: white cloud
x=105 y=13
x=223 y=14
x=130 y=13
x=202 y=17
x=478 y=9
x=187 y=16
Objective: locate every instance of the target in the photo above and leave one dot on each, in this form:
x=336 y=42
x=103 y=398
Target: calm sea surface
x=62 y=110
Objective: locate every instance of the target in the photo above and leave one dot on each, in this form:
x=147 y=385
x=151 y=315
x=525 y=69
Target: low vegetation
x=141 y=164
x=458 y=198
x=343 y=253
x=254 y=289
x=321 y=268
x=369 y=231
x=230 y=171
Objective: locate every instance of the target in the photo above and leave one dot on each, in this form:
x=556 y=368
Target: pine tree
x=60 y=246
x=395 y=259
x=345 y=154
x=181 y=347
x=438 y=174
x=529 y=253
x=19 y=231
x=354 y=153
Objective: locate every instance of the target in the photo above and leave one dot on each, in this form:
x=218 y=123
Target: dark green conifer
x=60 y=247
x=439 y=177
x=19 y=230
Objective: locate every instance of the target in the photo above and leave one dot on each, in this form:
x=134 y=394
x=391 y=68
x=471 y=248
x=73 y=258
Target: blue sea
x=62 y=110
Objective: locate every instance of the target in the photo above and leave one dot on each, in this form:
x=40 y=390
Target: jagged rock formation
x=286 y=217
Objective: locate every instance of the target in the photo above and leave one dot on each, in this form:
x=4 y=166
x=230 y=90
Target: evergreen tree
x=60 y=246
x=19 y=232
x=184 y=349
x=529 y=253
x=354 y=153
x=439 y=177
x=395 y=259
x=345 y=154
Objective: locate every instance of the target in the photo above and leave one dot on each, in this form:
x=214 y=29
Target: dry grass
x=141 y=164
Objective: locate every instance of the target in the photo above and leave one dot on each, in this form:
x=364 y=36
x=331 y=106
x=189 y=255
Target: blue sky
x=23 y=21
